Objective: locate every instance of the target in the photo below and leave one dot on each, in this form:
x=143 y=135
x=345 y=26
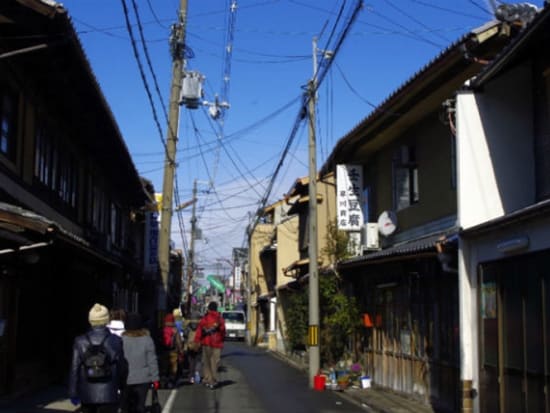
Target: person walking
x=193 y=349
x=98 y=368
x=179 y=324
x=143 y=372
x=116 y=325
x=172 y=350
x=211 y=335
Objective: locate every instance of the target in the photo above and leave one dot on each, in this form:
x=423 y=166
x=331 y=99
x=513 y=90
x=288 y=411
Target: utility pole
x=313 y=331
x=191 y=257
x=177 y=46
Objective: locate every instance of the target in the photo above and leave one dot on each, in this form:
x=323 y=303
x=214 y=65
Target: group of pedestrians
x=114 y=364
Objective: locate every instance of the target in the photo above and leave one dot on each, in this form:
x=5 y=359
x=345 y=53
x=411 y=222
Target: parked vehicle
x=235 y=324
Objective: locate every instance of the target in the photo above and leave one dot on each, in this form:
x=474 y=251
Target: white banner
x=349 y=197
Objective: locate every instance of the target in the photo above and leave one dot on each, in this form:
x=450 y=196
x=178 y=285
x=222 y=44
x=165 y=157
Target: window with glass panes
x=405 y=177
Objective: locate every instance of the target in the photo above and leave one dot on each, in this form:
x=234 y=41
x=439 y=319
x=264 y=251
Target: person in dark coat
x=98 y=396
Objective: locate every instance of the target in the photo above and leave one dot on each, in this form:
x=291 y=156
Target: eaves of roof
x=271 y=208
x=508 y=53
x=302 y=202
x=420 y=247
x=298 y=187
x=63 y=43
x=293 y=269
x=452 y=64
x=524 y=214
x=41 y=231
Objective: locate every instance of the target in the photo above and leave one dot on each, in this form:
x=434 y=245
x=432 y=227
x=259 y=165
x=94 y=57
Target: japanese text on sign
x=349 y=194
x=151 y=241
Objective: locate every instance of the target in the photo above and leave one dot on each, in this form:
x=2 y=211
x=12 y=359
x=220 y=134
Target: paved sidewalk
x=51 y=399
x=374 y=399
x=378 y=400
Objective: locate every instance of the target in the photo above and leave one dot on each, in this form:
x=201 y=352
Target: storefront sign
x=349 y=197
x=151 y=242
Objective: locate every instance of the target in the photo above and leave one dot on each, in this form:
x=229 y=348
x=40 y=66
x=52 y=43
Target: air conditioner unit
x=370 y=236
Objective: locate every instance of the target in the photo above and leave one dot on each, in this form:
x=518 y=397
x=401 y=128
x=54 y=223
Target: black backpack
x=97 y=362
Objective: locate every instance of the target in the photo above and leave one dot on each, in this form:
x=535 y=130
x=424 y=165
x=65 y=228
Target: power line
x=445 y=9
x=228 y=49
x=480 y=7
x=143 y=78
x=223 y=146
x=305 y=101
x=372 y=10
x=414 y=19
x=352 y=89
x=211 y=180
x=157 y=20
x=148 y=59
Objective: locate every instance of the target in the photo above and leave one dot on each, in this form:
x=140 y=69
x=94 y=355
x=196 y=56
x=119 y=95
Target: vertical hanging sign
x=151 y=242
x=349 y=197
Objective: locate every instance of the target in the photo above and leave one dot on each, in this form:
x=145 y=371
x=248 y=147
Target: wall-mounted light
x=513 y=244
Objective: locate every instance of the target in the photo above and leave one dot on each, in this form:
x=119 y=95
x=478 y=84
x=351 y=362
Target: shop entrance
x=515 y=323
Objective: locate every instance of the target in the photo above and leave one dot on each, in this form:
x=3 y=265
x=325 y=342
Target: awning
x=294 y=269
x=291 y=285
x=21 y=230
x=24 y=248
x=417 y=248
x=302 y=202
x=266 y=296
x=521 y=215
x=269 y=249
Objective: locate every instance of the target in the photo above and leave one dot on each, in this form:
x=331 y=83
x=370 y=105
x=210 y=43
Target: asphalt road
x=254 y=381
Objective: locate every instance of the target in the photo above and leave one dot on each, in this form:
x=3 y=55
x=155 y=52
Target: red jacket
x=211 y=330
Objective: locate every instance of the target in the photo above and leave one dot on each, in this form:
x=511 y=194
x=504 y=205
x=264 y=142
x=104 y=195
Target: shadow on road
x=243 y=354
x=225 y=383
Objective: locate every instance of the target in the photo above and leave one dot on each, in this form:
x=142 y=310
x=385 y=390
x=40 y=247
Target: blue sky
x=271 y=60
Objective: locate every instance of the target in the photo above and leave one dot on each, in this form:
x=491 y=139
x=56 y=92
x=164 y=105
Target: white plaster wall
x=468 y=316
x=495 y=156
x=495 y=176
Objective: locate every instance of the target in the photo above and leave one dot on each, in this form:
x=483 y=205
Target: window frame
x=405 y=186
x=55 y=167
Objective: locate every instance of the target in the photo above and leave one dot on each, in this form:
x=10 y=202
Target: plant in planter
x=343 y=381
x=297 y=321
x=356 y=371
x=340 y=318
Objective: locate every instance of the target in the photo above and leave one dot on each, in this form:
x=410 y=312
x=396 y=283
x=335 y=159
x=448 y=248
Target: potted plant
x=356 y=371
x=343 y=381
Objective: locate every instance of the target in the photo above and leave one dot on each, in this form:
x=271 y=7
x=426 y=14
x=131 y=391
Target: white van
x=235 y=324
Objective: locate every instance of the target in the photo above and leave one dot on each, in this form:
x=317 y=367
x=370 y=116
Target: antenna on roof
x=511 y=13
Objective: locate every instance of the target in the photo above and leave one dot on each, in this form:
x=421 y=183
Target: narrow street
x=254 y=381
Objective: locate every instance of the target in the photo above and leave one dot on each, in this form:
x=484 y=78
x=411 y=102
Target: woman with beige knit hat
x=85 y=386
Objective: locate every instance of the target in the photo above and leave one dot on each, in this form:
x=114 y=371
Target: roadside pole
x=191 y=255
x=313 y=331
x=177 y=47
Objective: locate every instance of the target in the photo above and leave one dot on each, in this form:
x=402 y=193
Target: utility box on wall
x=369 y=237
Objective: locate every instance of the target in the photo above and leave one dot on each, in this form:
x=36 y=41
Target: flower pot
x=319 y=382
x=365 y=382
